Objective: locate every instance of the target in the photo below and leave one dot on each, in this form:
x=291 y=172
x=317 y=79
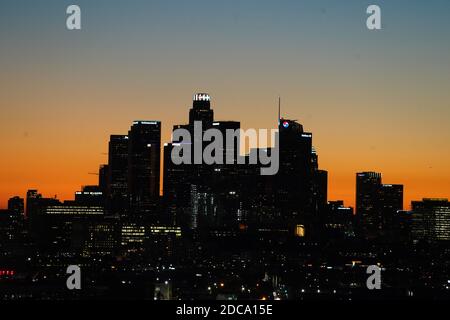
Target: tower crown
x=202 y=97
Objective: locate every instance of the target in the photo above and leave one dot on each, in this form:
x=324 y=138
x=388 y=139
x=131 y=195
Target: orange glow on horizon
x=56 y=153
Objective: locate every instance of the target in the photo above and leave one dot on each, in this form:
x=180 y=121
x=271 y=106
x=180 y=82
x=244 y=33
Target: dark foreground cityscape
x=222 y=231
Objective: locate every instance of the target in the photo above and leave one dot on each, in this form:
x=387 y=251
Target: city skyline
x=376 y=101
x=225 y=156
x=269 y=237
x=349 y=199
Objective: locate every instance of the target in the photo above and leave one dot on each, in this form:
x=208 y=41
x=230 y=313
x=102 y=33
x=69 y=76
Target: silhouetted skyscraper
x=201 y=195
x=35 y=210
x=320 y=185
x=144 y=163
x=295 y=175
x=117 y=193
x=391 y=201
x=368 y=185
x=377 y=205
x=16 y=205
x=224 y=201
x=32 y=202
x=201 y=110
x=185 y=182
x=176 y=188
x=320 y=190
x=103 y=178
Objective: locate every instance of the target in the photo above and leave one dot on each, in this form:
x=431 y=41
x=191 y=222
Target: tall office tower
x=431 y=220
x=259 y=194
x=181 y=182
x=320 y=185
x=144 y=164
x=320 y=190
x=32 y=203
x=295 y=174
x=117 y=193
x=390 y=202
x=368 y=185
x=225 y=184
x=32 y=212
x=103 y=178
x=35 y=208
x=201 y=110
x=16 y=206
x=176 y=189
x=177 y=181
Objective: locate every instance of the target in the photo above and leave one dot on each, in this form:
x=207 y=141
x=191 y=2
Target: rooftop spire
x=279 y=109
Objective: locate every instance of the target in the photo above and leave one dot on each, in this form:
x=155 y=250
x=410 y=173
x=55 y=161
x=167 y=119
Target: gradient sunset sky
x=374 y=100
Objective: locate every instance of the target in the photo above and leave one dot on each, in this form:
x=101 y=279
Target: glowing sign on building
x=285 y=124
x=202 y=97
x=145 y=122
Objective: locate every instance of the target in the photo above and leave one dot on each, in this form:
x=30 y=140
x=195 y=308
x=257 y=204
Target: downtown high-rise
x=376 y=205
x=144 y=152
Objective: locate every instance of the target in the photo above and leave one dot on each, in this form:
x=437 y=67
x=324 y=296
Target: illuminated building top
x=202 y=97
x=151 y=122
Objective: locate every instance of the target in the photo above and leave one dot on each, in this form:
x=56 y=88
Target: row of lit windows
x=73 y=210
